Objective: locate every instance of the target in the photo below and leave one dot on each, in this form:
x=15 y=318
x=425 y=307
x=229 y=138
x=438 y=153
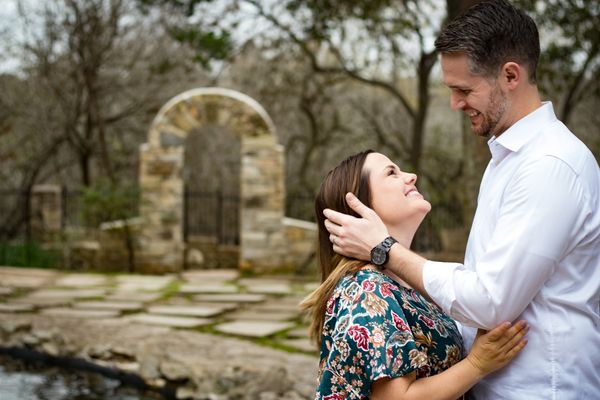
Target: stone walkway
x=218 y=302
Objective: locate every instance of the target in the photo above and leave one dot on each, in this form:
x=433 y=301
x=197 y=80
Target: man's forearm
x=408 y=266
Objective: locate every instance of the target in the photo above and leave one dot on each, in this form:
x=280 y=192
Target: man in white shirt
x=534 y=248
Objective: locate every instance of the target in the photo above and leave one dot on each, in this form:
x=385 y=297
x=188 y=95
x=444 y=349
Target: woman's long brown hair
x=348 y=176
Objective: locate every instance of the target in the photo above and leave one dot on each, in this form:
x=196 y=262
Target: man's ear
x=512 y=74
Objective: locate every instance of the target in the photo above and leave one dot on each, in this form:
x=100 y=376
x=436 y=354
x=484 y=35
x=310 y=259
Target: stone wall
x=205 y=252
x=301 y=239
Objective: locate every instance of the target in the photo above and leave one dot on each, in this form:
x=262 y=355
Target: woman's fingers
x=518 y=347
x=516 y=337
x=498 y=332
x=506 y=331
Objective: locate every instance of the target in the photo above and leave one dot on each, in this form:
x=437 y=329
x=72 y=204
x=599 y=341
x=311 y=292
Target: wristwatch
x=379 y=254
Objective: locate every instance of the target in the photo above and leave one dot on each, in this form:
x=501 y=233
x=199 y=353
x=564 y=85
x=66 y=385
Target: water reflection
x=34 y=382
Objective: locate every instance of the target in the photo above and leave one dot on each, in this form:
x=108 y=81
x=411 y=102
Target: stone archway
x=262 y=242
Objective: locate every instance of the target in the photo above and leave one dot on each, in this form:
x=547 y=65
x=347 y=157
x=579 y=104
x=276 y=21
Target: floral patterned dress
x=376 y=328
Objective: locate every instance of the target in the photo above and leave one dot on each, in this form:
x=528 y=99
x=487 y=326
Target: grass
x=27 y=254
x=170 y=290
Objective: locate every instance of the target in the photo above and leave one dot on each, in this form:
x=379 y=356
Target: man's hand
x=355 y=237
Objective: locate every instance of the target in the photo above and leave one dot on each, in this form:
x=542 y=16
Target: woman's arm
x=491 y=351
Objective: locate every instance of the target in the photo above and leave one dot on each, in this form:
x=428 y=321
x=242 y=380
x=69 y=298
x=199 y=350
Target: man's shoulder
x=558 y=144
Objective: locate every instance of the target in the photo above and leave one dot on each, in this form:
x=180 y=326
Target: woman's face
x=394 y=196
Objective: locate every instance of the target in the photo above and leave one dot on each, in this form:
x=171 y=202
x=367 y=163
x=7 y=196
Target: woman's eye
x=391 y=172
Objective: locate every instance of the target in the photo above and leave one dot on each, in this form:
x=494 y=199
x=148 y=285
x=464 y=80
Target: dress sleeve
x=371 y=338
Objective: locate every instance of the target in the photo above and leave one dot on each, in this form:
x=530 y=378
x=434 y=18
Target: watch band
x=380 y=253
x=387 y=243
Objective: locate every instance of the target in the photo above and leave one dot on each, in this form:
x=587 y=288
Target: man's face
x=481 y=99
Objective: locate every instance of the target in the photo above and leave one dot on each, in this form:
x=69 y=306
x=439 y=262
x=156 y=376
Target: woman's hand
x=496 y=348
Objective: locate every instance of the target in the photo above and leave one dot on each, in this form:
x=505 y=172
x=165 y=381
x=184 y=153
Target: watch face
x=378 y=256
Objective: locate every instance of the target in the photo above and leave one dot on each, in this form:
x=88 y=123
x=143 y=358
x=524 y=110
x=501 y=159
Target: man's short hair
x=492 y=33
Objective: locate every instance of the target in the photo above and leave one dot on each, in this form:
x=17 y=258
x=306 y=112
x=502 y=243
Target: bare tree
x=107 y=68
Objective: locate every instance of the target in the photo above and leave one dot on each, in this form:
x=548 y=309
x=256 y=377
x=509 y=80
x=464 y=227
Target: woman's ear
x=511 y=75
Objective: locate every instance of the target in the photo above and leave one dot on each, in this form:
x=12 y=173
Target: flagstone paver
x=41 y=302
x=142 y=282
x=16 y=307
x=253 y=328
x=224 y=306
x=142 y=297
x=180 y=301
x=26 y=277
x=249 y=282
x=271 y=306
x=75 y=313
x=6 y=291
x=68 y=294
x=207 y=288
x=191 y=311
x=301 y=344
x=253 y=315
x=28 y=271
x=270 y=288
x=23 y=281
x=108 y=305
x=220 y=275
x=231 y=298
x=172 y=321
x=82 y=280
x=301 y=332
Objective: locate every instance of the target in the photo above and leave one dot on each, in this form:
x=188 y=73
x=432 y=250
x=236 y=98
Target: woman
x=379 y=338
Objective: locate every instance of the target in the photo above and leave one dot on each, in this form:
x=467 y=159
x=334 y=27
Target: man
x=534 y=248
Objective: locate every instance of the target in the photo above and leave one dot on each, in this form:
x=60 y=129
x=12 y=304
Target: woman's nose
x=410 y=178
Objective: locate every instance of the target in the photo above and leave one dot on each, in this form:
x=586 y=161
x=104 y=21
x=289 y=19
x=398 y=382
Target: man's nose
x=456 y=101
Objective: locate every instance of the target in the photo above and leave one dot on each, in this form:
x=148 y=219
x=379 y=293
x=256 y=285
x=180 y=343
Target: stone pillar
x=262 y=235
x=161 y=208
x=46 y=211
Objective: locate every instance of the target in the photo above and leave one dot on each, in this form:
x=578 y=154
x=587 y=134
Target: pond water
x=19 y=381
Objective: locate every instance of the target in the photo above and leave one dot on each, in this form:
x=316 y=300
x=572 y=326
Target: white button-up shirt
x=534 y=254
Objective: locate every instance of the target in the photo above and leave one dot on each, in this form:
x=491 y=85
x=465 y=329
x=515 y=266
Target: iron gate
x=214 y=214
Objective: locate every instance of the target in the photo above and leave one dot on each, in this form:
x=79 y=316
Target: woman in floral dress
x=379 y=338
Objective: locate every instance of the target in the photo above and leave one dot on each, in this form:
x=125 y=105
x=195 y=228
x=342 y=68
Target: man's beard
x=497 y=105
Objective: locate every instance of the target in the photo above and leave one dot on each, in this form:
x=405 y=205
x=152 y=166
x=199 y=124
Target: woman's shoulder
x=366 y=276
x=366 y=282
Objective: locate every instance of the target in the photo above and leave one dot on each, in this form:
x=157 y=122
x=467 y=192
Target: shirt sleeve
x=541 y=210
x=372 y=339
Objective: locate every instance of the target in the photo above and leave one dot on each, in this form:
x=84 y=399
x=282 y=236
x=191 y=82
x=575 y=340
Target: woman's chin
x=426 y=206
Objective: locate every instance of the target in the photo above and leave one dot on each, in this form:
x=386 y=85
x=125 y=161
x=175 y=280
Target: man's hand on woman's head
x=355 y=237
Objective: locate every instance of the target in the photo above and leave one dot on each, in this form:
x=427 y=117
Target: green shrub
x=107 y=201
x=28 y=254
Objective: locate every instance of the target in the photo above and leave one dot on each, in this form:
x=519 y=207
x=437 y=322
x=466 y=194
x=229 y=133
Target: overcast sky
x=9 y=30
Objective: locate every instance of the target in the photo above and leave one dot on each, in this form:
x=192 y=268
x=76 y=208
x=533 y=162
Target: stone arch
x=162 y=185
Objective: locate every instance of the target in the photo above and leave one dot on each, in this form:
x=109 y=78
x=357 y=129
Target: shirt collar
x=521 y=132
